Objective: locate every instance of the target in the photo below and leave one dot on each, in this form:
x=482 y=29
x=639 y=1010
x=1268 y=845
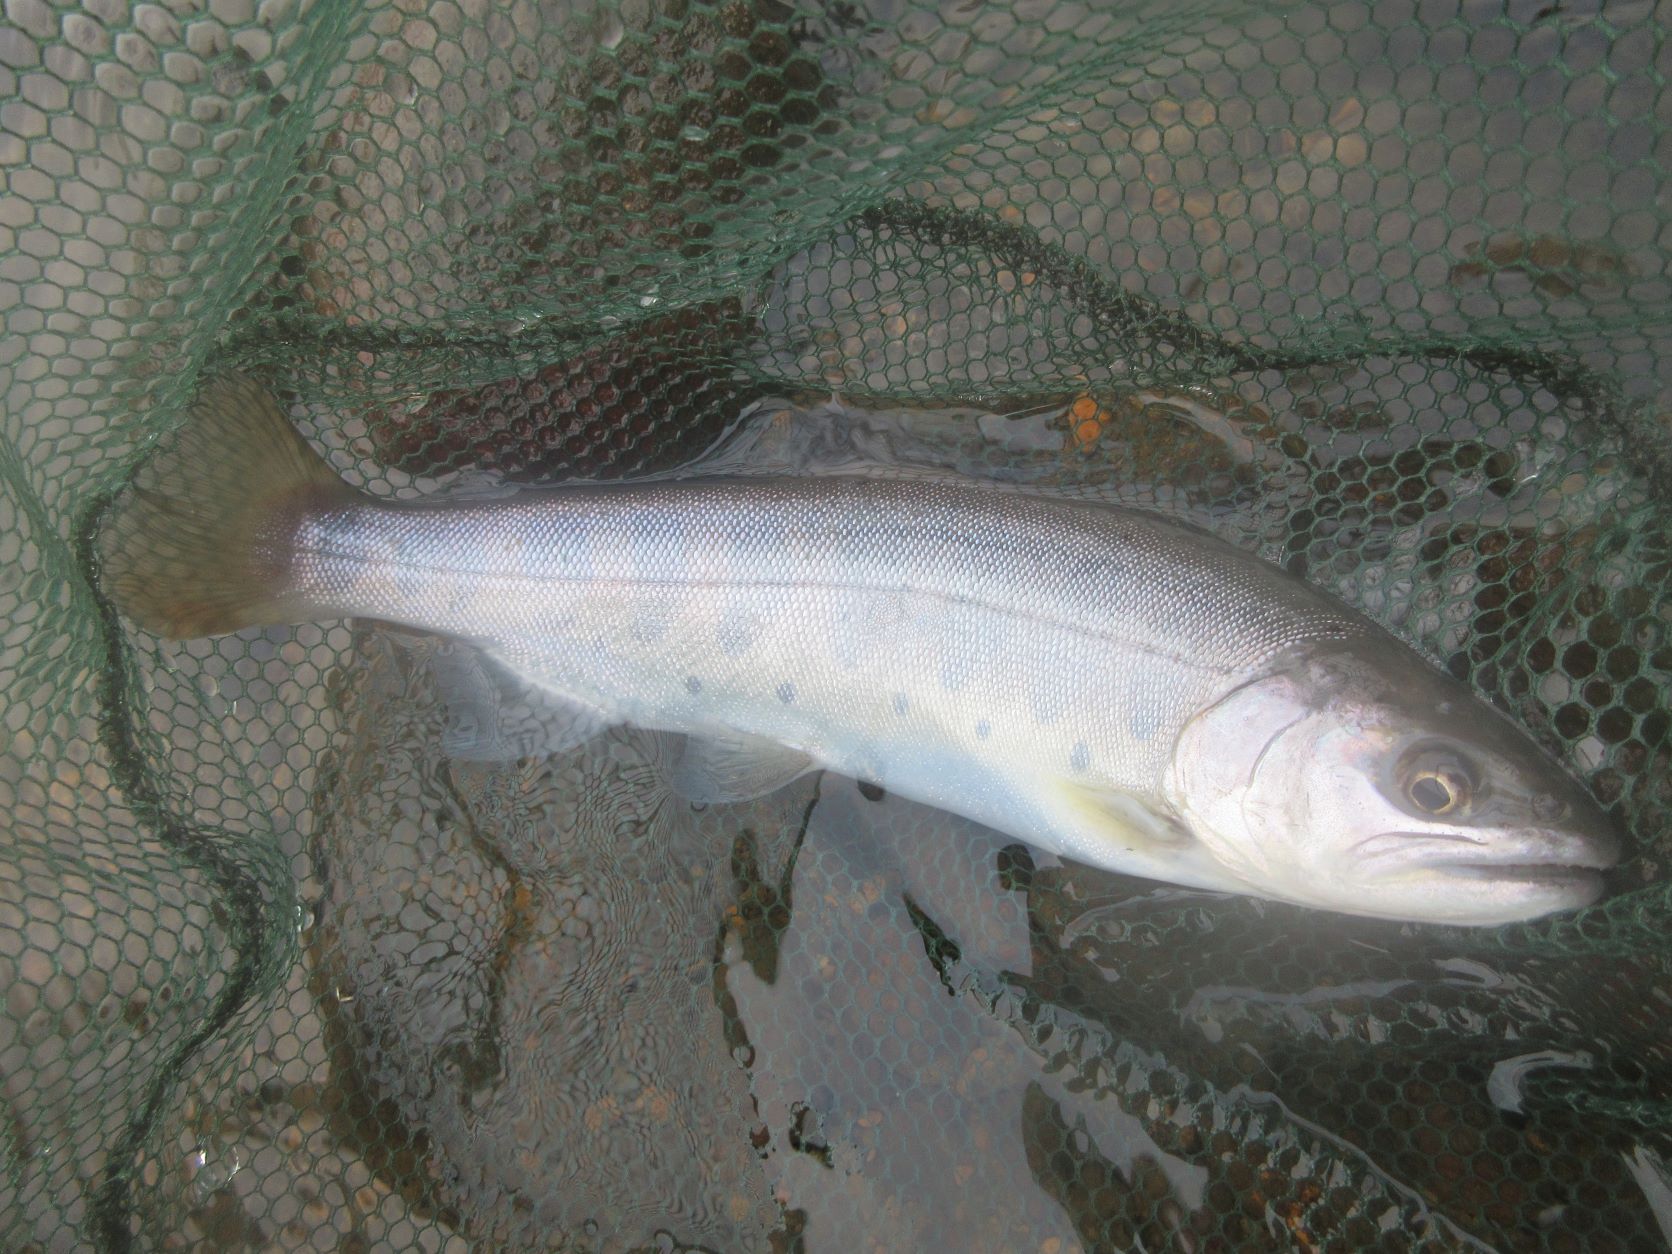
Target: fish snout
x=1596 y=844
x=1572 y=828
x=1555 y=849
x=1591 y=846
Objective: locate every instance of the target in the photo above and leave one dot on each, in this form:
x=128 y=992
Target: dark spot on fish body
x=983 y=729
x=1143 y=723
x=1080 y=757
x=902 y=704
x=693 y=685
x=647 y=630
x=735 y=635
x=786 y=692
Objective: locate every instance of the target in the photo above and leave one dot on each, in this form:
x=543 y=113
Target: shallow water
x=595 y=1016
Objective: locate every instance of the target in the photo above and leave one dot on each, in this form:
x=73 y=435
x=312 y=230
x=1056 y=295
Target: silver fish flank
x=1106 y=684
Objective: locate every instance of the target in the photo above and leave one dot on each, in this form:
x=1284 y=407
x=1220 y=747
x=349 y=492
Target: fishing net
x=1378 y=290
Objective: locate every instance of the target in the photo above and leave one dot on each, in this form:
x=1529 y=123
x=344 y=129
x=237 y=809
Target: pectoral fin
x=1137 y=822
x=1134 y=834
x=731 y=766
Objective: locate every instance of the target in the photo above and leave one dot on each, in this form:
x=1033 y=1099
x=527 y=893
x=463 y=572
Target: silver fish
x=1106 y=684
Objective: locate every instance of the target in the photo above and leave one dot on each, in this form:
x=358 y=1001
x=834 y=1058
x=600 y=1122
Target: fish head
x=1359 y=779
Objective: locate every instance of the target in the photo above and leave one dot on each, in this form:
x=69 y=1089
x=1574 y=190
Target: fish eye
x=1432 y=792
x=1437 y=782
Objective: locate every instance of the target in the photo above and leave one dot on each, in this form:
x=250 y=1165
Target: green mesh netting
x=1379 y=290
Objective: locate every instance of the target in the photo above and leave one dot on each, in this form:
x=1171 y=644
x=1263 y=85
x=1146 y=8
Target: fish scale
x=1074 y=624
x=1107 y=684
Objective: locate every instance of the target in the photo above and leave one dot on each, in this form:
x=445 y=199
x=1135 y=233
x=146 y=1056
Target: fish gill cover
x=1379 y=291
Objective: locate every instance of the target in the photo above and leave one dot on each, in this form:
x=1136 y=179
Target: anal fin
x=495 y=715
x=733 y=766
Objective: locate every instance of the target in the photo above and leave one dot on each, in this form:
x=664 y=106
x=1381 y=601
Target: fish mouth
x=1546 y=886
x=1571 y=871
x=1526 y=872
x=1521 y=855
x=1485 y=877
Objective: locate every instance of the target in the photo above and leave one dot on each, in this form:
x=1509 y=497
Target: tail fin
x=197 y=546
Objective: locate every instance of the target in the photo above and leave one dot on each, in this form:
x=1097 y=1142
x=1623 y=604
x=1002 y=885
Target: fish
x=1106 y=684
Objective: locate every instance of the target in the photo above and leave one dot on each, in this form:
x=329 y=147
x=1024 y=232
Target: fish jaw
x=1502 y=876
